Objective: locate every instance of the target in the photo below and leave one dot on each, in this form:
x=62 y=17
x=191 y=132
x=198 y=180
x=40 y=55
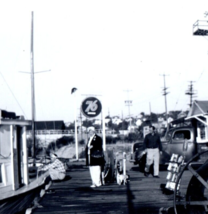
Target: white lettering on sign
x=92 y=106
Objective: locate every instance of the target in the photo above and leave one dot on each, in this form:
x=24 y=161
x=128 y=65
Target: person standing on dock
x=56 y=168
x=153 y=148
x=94 y=157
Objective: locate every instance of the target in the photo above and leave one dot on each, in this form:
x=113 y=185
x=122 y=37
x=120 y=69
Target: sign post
x=75 y=128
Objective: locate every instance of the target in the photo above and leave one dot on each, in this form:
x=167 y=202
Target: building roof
x=198 y=108
x=48 y=125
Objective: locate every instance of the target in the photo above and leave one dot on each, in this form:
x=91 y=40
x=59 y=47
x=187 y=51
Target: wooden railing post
x=124 y=167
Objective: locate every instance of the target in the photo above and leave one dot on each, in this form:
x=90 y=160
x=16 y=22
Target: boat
x=19 y=190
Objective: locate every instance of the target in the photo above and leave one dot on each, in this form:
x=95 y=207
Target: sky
x=113 y=50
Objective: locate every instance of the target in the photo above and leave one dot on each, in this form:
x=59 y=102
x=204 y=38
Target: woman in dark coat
x=95 y=157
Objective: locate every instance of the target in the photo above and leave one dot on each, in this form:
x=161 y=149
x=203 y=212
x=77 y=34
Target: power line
x=13 y=94
x=200 y=75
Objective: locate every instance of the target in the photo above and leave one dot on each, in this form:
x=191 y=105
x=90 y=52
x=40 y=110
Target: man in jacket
x=153 y=147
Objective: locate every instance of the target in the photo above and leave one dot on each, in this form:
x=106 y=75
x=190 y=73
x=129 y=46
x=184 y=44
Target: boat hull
x=19 y=203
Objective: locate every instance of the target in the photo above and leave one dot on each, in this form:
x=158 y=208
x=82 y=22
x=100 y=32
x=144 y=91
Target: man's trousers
x=56 y=175
x=153 y=157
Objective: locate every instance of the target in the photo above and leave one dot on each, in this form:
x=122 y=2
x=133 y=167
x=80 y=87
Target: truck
x=181 y=141
x=186 y=140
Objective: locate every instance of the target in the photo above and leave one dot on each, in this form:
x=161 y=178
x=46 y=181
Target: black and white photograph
x=104 y=107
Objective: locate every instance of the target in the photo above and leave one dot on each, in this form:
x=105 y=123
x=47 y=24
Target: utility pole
x=80 y=117
x=164 y=94
x=122 y=126
x=150 y=112
x=128 y=102
x=190 y=92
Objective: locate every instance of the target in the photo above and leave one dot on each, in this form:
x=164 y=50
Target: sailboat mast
x=32 y=89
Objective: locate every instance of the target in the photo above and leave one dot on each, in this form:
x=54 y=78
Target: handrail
x=62 y=132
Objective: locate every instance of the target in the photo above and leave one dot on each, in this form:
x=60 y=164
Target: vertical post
x=124 y=167
x=12 y=155
x=32 y=89
x=122 y=128
x=104 y=141
x=25 y=158
x=103 y=119
x=75 y=127
x=206 y=127
x=165 y=93
x=81 y=125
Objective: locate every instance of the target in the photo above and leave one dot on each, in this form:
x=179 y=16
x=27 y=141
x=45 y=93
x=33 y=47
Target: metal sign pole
x=104 y=140
x=75 y=127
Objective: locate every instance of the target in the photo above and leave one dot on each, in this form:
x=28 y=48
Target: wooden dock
x=73 y=195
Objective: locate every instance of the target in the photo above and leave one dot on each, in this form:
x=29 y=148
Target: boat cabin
x=13 y=151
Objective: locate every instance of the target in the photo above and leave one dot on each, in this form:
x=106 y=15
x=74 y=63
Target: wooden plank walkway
x=73 y=195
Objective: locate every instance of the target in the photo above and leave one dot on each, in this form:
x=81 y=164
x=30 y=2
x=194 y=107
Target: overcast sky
x=103 y=48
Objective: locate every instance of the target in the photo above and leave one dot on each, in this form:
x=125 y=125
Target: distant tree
x=51 y=148
x=110 y=140
x=123 y=125
x=145 y=123
x=71 y=126
x=132 y=137
x=38 y=146
x=143 y=114
x=110 y=124
x=87 y=123
x=153 y=117
x=64 y=141
x=97 y=126
x=115 y=127
x=175 y=114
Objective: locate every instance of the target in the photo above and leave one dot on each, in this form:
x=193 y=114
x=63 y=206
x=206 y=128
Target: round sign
x=91 y=107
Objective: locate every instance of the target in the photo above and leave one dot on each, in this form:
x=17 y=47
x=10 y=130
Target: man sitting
x=55 y=169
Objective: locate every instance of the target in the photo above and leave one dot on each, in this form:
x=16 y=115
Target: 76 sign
x=91 y=107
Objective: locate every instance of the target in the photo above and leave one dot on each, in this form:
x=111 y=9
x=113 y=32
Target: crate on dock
x=174 y=168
